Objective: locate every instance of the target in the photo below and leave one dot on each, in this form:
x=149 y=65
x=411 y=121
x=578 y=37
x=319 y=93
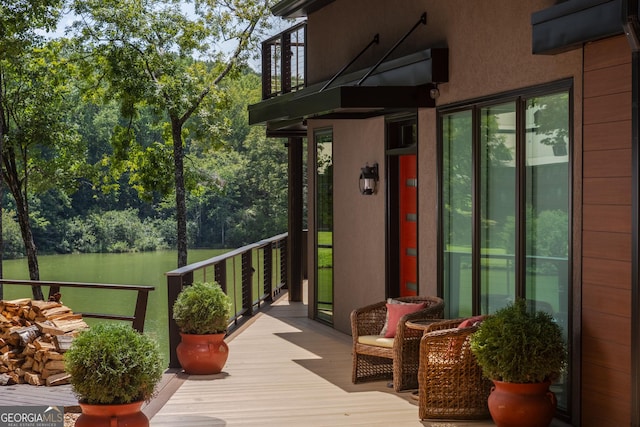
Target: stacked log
x=33 y=338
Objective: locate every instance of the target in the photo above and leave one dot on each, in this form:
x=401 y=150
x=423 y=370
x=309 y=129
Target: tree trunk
x=22 y=210
x=181 y=203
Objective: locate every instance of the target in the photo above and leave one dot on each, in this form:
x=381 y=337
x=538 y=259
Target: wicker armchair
x=388 y=358
x=451 y=384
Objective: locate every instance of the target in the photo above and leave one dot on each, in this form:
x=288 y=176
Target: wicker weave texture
x=451 y=385
x=400 y=363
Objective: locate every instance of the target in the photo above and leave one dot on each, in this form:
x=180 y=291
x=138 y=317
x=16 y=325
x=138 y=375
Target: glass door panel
x=547 y=211
x=457 y=185
x=497 y=204
x=324 y=227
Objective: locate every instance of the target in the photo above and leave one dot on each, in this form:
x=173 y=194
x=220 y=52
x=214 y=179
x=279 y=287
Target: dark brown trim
x=295 y=249
x=635 y=243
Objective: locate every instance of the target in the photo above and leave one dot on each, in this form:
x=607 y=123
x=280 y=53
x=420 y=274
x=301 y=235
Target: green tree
x=148 y=53
x=246 y=198
x=39 y=147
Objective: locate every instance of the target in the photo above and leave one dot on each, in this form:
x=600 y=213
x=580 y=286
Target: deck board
x=287 y=370
x=283 y=370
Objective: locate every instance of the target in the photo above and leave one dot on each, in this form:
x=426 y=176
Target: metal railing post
x=247 y=282
x=220 y=274
x=174 y=286
x=268 y=270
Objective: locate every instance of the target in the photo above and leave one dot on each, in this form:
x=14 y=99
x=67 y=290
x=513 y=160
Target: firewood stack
x=33 y=337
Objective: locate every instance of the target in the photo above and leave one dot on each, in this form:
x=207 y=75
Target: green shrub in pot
x=202 y=308
x=111 y=363
x=519 y=346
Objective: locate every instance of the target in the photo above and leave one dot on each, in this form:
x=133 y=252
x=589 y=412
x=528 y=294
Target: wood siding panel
x=613 y=246
x=607 y=191
x=601 y=409
x=607 y=108
x=607 y=136
x=607 y=81
x=607 y=327
x=606 y=53
x=606 y=235
x=606 y=272
x=612 y=163
x=613 y=218
x=603 y=298
x=600 y=378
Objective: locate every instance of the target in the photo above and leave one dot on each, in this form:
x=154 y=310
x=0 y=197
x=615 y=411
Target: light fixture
x=434 y=93
x=368 y=179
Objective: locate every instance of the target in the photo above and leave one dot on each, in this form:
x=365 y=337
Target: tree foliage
x=40 y=147
x=152 y=53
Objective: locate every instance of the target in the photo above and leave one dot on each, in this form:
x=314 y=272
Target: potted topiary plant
x=202 y=312
x=113 y=370
x=522 y=352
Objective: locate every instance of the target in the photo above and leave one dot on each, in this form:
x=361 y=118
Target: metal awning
x=399 y=84
x=570 y=24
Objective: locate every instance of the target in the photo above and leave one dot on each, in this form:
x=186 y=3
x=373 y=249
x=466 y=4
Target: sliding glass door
x=505 y=216
x=324 y=226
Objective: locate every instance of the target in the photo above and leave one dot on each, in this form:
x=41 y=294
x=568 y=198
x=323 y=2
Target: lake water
x=144 y=268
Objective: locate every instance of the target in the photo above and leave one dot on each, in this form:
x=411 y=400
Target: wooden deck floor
x=287 y=370
x=283 y=370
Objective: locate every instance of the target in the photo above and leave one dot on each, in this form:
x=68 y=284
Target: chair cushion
x=377 y=340
x=457 y=342
x=395 y=311
x=471 y=321
x=386 y=320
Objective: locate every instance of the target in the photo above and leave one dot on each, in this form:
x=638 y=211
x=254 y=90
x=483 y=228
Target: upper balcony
x=390 y=85
x=284 y=67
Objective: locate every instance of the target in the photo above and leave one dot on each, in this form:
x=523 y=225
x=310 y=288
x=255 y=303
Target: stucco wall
x=489 y=45
x=359 y=221
x=489 y=41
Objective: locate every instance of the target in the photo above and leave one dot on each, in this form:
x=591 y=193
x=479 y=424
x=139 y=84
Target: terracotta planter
x=125 y=415
x=202 y=354
x=521 y=405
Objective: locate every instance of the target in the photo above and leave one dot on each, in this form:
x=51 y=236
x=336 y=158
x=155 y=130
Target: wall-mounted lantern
x=369 y=179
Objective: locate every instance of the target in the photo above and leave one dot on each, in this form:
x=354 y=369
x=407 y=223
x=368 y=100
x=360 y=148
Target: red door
x=408 y=190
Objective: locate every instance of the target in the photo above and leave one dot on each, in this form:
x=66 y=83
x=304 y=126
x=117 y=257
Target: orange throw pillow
x=395 y=313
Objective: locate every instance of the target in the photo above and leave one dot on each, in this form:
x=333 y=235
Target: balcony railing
x=284 y=62
x=250 y=275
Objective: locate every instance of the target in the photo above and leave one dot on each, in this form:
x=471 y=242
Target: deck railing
x=250 y=275
x=284 y=62
x=138 y=317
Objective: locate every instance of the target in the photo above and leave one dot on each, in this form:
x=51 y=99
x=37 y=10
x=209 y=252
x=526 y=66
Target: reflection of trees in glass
x=457 y=174
x=551 y=119
x=547 y=218
x=493 y=138
x=547 y=233
x=324 y=163
x=458 y=169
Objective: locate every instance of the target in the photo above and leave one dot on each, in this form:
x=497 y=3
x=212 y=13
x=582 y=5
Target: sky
x=278 y=26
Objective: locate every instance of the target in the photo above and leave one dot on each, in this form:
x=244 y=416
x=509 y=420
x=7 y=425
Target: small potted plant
x=202 y=312
x=522 y=352
x=113 y=370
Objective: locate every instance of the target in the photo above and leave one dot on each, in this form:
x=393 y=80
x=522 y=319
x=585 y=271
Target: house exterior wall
x=484 y=60
x=359 y=221
x=490 y=53
x=606 y=231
